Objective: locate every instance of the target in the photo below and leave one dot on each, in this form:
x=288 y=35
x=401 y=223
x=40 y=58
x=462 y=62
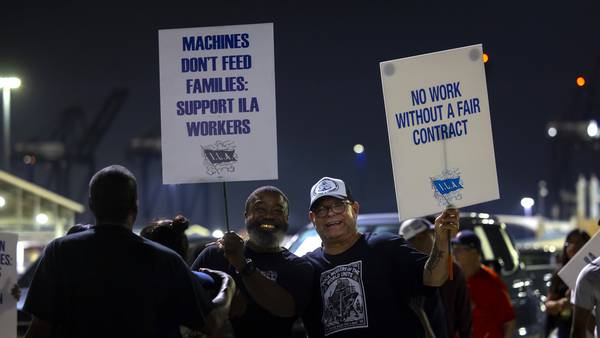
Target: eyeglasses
x=337 y=209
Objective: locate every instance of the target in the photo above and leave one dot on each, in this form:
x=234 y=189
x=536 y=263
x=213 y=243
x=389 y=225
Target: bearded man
x=273 y=284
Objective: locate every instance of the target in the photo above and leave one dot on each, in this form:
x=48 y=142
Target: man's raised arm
x=435 y=272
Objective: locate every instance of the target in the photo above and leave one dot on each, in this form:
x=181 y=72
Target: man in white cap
x=453 y=293
x=363 y=282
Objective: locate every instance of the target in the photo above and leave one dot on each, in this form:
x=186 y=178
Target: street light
x=7 y=83
x=527 y=203
x=592 y=129
x=41 y=218
x=486 y=57
x=358 y=148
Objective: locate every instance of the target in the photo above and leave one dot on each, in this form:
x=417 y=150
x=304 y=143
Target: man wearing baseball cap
x=363 y=282
x=493 y=314
x=454 y=294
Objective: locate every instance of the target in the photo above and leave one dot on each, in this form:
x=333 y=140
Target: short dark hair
x=113 y=194
x=170 y=233
x=267 y=189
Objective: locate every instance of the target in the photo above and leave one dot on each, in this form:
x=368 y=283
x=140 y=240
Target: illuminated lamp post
x=7 y=83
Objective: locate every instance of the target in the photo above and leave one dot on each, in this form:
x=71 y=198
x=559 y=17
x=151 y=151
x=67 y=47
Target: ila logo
x=447 y=186
x=219 y=157
x=325 y=186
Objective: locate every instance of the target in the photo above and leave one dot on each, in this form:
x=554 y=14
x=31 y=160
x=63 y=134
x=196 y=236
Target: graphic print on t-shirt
x=343 y=295
x=269 y=274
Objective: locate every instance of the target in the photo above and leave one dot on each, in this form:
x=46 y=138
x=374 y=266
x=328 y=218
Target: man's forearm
x=270 y=295
x=435 y=272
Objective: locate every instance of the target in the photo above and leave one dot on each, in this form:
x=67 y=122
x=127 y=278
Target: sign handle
x=448 y=206
x=226 y=206
x=450 y=266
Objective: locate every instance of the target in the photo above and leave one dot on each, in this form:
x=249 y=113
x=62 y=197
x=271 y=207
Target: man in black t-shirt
x=363 y=282
x=108 y=282
x=273 y=284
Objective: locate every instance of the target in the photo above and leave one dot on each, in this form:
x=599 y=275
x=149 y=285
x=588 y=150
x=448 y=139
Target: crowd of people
x=103 y=280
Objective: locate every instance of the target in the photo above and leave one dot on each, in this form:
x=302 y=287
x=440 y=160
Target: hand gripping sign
x=440 y=133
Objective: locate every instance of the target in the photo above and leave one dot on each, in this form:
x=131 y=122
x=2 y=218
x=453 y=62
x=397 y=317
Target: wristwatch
x=249 y=268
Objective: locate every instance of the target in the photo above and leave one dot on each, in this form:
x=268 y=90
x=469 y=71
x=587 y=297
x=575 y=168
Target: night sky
x=328 y=87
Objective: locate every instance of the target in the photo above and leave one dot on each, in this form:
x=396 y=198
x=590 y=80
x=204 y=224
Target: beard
x=267 y=238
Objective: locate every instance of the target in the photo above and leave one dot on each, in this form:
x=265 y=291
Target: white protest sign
x=8 y=279
x=440 y=132
x=217 y=93
x=583 y=257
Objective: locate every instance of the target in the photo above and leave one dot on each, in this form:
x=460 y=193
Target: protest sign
x=8 y=279
x=217 y=90
x=439 y=129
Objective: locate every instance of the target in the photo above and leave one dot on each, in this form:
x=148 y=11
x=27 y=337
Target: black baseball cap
x=467 y=238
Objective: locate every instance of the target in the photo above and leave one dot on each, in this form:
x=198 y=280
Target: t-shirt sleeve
x=200 y=261
x=210 y=258
x=45 y=298
x=584 y=289
x=298 y=282
x=189 y=296
x=407 y=266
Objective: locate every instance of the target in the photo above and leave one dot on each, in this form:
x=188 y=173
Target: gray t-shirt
x=587 y=291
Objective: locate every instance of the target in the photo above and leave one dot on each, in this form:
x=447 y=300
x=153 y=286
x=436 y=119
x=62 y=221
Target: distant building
x=36 y=214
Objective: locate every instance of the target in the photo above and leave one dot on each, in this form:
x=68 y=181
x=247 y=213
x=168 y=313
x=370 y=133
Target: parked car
x=498 y=250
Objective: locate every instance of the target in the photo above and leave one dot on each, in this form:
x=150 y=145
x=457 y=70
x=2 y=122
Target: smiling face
x=267 y=219
x=335 y=220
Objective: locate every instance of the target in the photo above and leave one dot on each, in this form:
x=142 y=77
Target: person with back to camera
x=171 y=234
x=109 y=282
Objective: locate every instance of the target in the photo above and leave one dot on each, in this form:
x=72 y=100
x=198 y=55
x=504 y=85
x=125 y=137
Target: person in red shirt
x=493 y=313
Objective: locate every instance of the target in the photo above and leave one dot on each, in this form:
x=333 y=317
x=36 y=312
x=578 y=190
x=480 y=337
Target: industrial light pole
x=7 y=83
